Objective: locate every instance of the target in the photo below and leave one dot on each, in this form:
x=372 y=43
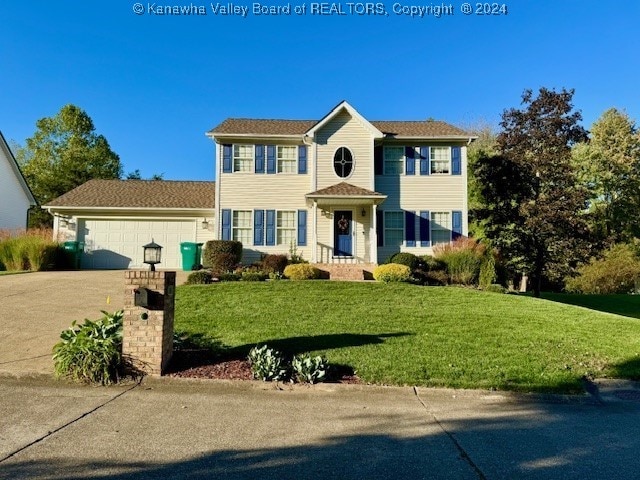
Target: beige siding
x=276 y=191
x=344 y=131
x=433 y=193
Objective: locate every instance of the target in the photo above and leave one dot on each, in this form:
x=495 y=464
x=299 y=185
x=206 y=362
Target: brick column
x=147 y=333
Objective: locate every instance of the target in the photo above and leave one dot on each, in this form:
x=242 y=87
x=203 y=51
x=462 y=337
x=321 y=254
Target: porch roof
x=346 y=194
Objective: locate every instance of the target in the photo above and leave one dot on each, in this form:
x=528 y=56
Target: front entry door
x=342 y=227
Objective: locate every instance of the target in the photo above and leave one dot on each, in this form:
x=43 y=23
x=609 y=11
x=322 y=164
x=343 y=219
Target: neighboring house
x=115 y=218
x=342 y=189
x=15 y=196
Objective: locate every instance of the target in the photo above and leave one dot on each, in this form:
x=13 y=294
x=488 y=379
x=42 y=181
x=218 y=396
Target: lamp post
x=152 y=254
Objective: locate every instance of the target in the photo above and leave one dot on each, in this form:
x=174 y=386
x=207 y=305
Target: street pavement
x=202 y=429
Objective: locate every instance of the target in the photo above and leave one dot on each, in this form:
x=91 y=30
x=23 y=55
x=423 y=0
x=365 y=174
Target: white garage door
x=117 y=244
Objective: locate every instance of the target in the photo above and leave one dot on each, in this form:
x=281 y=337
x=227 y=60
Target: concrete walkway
x=176 y=428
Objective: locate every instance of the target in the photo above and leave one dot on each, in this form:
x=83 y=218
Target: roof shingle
x=252 y=126
x=139 y=194
x=344 y=189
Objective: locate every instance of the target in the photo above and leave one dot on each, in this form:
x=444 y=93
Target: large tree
x=533 y=208
x=63 y=153
x=609 y=168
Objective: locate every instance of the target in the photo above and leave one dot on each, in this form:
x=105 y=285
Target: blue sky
x=154 y=85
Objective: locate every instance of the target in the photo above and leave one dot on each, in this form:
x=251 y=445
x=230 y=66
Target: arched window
x=343 y=162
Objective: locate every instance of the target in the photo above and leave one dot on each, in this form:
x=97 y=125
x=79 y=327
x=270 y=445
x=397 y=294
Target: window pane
x=393 y=160
x=440 y=227
x=287 y=159
x=440 y=159
x=243 y=158
x=343 y=162
x=286 y=227
x=393 y=228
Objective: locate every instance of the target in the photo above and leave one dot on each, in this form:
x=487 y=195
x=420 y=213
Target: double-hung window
x=241 y=226
x=287 y=159
x=440 y=228
x=393 y=228
x=440 y=160
x=393 y=160
x=285 y=227
x=243 y=158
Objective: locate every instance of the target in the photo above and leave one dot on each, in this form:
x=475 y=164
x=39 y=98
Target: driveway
x=36 y=307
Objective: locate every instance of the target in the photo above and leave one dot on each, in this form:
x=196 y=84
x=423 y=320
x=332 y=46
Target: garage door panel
x=117 y=244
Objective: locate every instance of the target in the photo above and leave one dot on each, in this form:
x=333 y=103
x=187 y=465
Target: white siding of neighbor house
x=433 y=193
x=14 y=202
x=344 y=131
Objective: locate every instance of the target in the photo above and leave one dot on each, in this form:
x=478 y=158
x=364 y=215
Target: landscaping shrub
x=463 y=258
x=392 y=272
x=91 y=352
x=488 y=273
x=494 y=288
x=430 y=263
x=617 y=272
x=308 y=369
x=253 y=276
x=301 y=271
x=201 y=277
x=267 y=364
x=294 y=256
x=404 y=258
x=274 y=263
x=29 y=250
x=222 y=255
x=227 y=277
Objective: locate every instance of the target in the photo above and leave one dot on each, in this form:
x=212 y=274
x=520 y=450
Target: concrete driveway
x=36 y=307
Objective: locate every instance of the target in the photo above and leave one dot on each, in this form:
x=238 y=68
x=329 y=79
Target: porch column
x=314 y=237
x=373 y=237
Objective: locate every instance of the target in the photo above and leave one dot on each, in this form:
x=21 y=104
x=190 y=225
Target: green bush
x=617 y=272
x=91 y=352
x=405 y=258
x=227 y=277
x=430 y=263
x=301 y=271
x=201 y=277
x=392 y=272
x=308 y=369
x=267 y=364
x=274 y=263
x=488 y=273
x=494 y=288
x=222 y=256
x=253 y=276
x=463 y=259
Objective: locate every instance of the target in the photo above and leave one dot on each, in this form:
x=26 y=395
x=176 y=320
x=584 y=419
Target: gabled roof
x=13 y=164
x=138 y=194
x=427 y=129
x=344 y=105
x=344 y=189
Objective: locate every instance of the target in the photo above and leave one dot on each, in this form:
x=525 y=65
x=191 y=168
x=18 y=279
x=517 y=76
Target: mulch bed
x=204 y=364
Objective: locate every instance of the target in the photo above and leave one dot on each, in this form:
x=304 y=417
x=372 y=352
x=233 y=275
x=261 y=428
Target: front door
x=342 y=237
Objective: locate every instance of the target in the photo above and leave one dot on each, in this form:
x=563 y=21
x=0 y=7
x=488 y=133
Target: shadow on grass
x=625 y=305
x=629 y=369
x=197 y=350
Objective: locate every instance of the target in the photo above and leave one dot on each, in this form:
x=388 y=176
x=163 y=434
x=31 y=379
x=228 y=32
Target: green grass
x=402 y=334
x=627 y=305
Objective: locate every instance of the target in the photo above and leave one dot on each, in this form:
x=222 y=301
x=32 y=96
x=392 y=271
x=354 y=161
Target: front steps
x=347 y=271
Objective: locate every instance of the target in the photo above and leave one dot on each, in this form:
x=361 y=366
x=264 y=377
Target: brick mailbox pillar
x=147 y=331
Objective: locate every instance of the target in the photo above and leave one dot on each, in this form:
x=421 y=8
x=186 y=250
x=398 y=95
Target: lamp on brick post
x=152 y=254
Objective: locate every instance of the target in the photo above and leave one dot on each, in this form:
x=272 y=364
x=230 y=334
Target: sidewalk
x=173 y=428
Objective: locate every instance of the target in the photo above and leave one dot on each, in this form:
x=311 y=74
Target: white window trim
x=402 y=161
x=233 y=158
x=353 y=163
x=294 y=228
x=234 y=227
x=431 y=172
x=296 y=158
x=403 y=241
x=431 y=224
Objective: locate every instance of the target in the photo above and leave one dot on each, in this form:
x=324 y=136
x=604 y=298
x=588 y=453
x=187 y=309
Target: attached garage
x=115 y=218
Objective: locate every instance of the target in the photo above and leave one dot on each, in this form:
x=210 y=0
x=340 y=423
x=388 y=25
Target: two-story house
x=342 y=189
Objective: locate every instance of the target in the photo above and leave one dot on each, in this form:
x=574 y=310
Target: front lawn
x=402 y=334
